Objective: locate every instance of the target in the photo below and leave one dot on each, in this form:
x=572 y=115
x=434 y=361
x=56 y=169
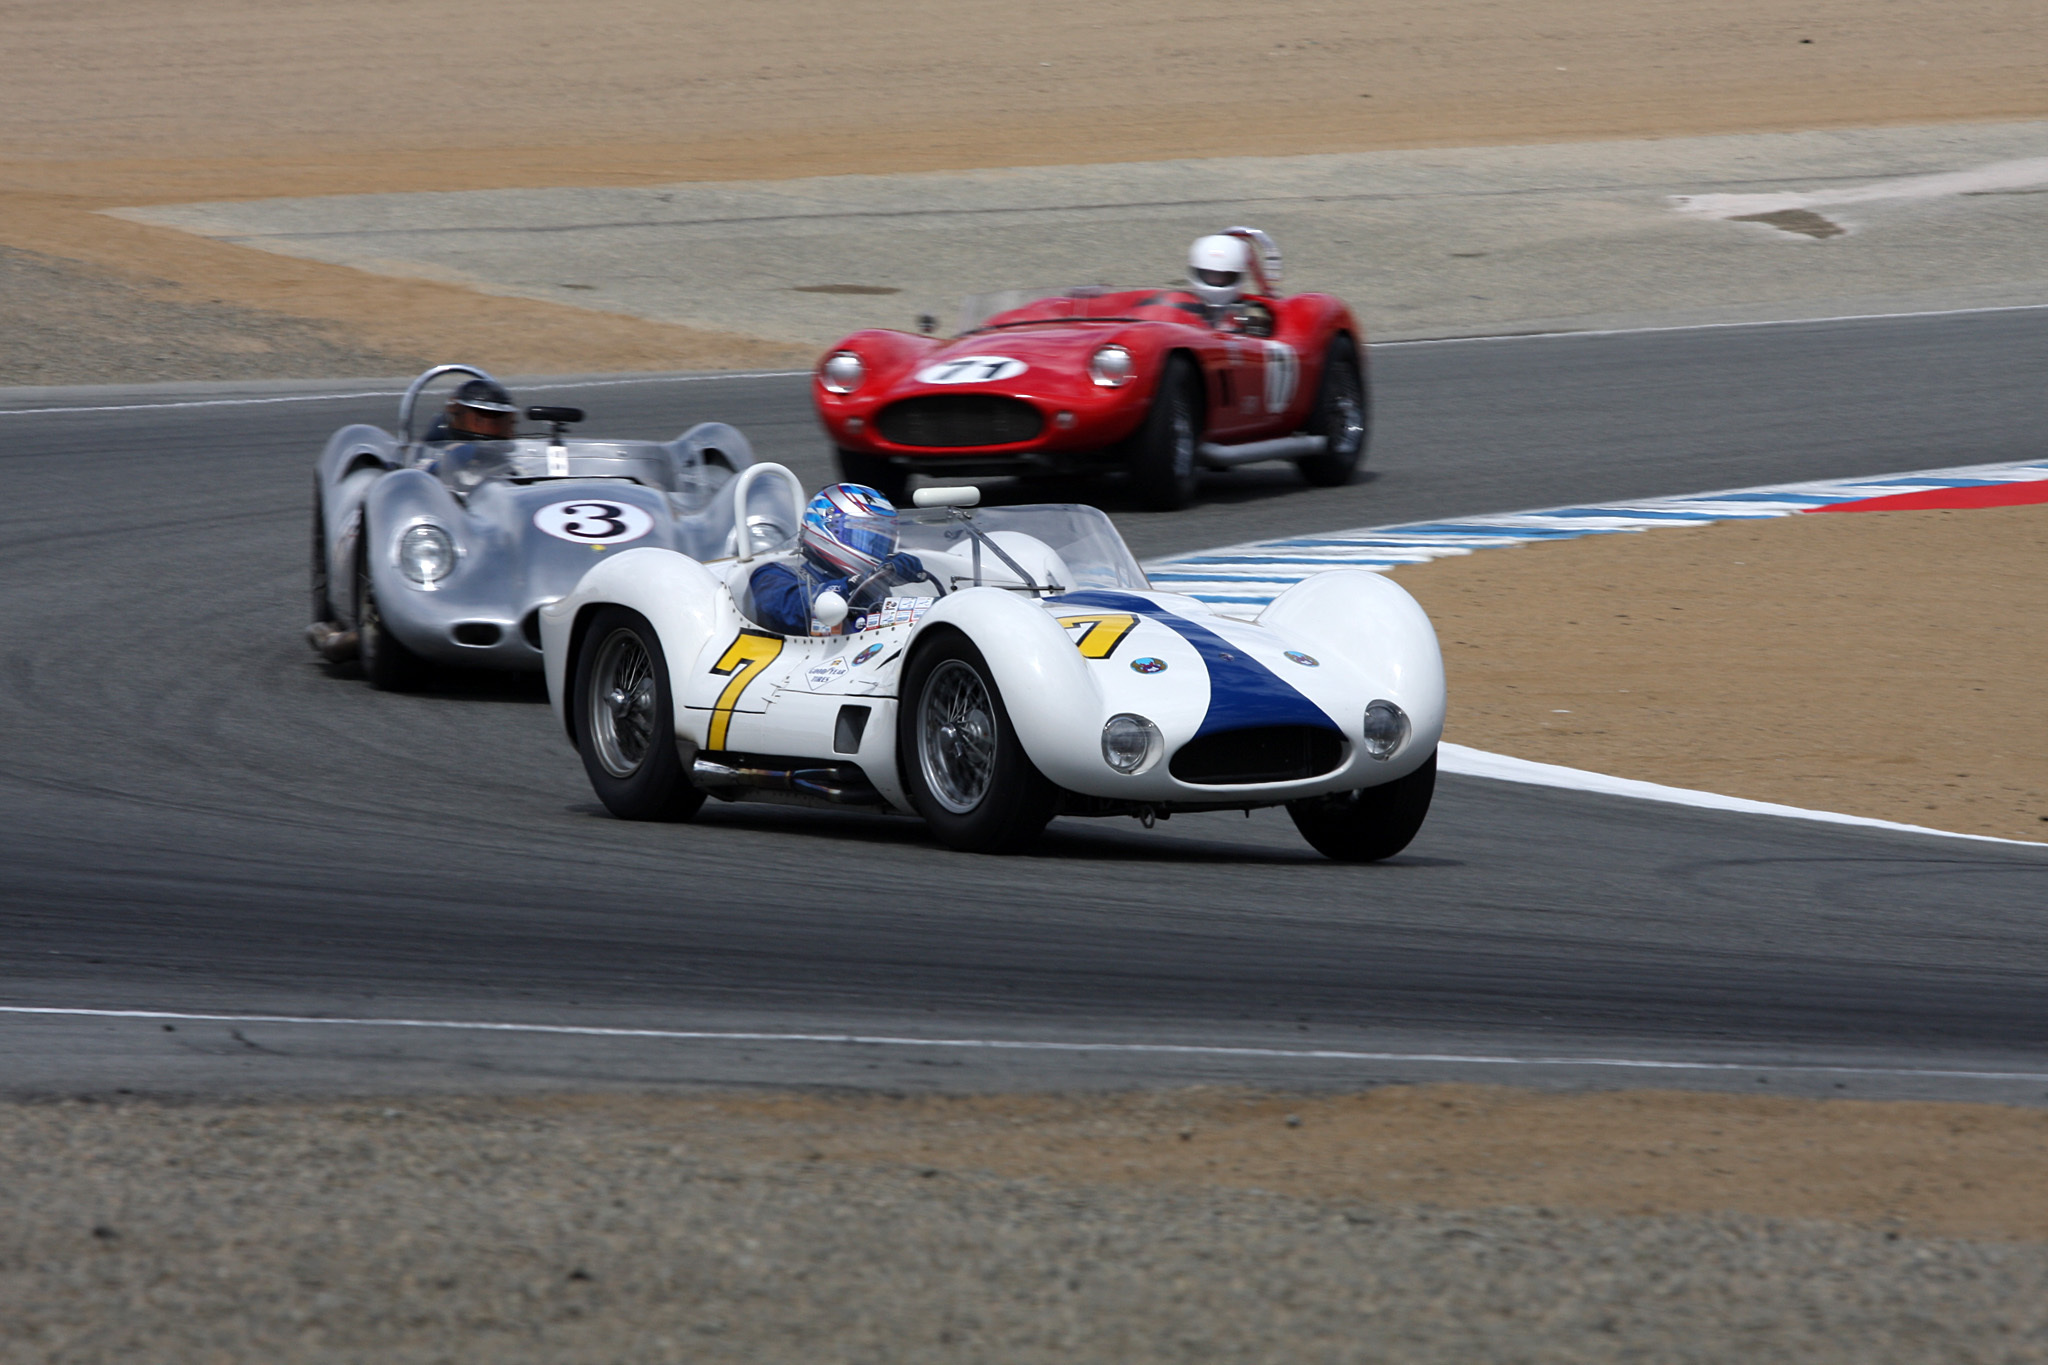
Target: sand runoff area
x=1415 y=1225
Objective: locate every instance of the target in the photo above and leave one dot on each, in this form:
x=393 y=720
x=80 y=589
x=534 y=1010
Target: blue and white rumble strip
x=1241 y=579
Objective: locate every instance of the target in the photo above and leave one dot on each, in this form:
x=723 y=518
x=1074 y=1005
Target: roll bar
x=412 y=394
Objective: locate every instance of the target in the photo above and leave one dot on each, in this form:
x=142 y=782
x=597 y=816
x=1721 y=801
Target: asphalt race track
x=201 y=819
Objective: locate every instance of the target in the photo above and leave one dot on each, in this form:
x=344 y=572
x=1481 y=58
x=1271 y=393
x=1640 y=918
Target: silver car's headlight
x=426 y=554
x=1386 y=729
x=1111 y=367
x=842 y=372
x=1131 y=744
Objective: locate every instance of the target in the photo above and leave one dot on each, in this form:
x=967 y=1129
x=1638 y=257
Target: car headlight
x=1111 y=367
x=1386 y=729
x=1131 y=744
x=426 y=554
x=842 y=372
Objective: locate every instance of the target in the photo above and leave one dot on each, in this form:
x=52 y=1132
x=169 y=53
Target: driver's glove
x=905 y=566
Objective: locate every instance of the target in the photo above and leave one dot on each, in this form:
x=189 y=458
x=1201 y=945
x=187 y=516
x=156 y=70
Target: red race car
x=1157 y=383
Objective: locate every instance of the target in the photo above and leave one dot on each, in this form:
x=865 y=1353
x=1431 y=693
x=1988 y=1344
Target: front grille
x=951 y=420
x=1271 y=753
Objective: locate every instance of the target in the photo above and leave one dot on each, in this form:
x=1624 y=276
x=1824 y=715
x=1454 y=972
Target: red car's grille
x=953 y=420
x=1269 y=753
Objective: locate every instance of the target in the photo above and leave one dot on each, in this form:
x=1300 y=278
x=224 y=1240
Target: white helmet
x=1216 y=268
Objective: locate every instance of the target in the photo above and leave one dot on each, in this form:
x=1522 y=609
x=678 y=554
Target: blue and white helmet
x=849 y=529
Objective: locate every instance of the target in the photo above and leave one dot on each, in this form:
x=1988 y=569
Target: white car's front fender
x=677 y=595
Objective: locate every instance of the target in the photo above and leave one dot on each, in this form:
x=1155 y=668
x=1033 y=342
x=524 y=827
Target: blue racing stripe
x=1243 y=692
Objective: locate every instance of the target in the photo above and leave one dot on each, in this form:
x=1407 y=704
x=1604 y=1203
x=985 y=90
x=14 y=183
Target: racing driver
x=1217 y=267
x=848 y=539
x=479 y=411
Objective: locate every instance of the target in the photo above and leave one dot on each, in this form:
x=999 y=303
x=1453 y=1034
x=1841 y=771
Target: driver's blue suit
x=783 y=593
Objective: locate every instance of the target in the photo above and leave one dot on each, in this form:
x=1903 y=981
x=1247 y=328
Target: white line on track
x=1709 y=326
x=793 y=374
x=1464 y=762
x=1026 y=1045
x=397 y=393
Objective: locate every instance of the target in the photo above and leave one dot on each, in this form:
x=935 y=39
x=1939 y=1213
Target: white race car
x=1031 y=672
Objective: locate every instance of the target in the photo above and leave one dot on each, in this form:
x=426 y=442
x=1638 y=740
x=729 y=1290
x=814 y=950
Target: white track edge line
x=1709 y=326
x=397 y=393
x=1022 y=1045
x=1374 y=345
x=1465 y=762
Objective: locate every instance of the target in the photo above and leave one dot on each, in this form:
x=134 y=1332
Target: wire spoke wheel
x=621 y=703
x=1347 y=411
x=956 y=736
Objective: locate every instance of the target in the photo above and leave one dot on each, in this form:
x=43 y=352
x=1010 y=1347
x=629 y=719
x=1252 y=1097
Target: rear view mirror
x=561 y=415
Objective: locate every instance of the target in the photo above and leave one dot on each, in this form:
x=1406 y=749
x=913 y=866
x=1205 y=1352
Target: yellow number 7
x=1103 y=635
x=749 y=653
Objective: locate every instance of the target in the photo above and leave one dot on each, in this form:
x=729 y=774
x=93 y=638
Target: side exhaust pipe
x=331 y=642
x=1251 y=452
x=736 y=777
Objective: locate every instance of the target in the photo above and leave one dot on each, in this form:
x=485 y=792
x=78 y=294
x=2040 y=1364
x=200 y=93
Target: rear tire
x=387 y=663
x=856 y=466
x=1342 y=416
x=1366 y=826
x=623 y=713
x=1162 y=460
x=963 y=766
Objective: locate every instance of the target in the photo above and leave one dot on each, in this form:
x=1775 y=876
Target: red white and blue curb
x=1237 y=577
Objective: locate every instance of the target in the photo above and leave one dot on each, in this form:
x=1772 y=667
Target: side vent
x=851 y=725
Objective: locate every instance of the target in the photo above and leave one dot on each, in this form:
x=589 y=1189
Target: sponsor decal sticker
x=1305 y=660
x=972 y=369
x=870 y=652
x=594 y=521
x=1148 y=664
x=827 y=673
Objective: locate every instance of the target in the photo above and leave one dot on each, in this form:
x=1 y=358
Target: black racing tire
x=857 y=466
x=1366 y=826
x=386 y=663
x=1162 y=450
x=323 y=607
x=1343 y=416
x=622 y=713
x=962 y=764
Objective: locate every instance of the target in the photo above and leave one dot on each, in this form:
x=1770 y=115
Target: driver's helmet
x=1216 y=268
x=482 y=411
x=849 y=529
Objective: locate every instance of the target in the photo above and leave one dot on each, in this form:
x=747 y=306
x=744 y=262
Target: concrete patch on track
x=1423 y=243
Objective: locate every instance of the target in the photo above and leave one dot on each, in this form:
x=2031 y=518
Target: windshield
x=1058 y=547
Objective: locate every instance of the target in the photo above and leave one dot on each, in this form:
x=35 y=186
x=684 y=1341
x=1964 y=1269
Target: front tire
x=323 y=609
x=856 y=466
x=387 y=663
x=623 y=711
x=1342 y=417
x=963 y=766
x=1163 y=449
x=1366 y=826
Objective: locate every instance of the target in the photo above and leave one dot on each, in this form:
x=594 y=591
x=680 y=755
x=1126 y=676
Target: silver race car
x=442 y=547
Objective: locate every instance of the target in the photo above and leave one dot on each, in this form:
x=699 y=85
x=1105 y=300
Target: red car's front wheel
x=1162 y=451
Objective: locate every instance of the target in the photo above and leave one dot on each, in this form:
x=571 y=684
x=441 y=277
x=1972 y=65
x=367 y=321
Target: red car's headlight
x=1111 y=367
x=842 y=372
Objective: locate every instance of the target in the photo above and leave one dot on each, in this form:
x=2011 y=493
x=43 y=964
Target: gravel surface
x=466 y=1232
x=61 y=324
